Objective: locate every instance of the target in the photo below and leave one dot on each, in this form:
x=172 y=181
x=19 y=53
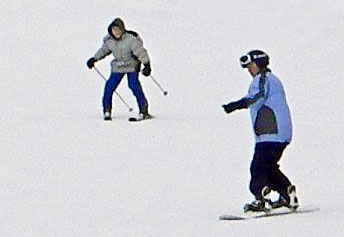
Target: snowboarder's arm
x=240 y=104
x=256 y=92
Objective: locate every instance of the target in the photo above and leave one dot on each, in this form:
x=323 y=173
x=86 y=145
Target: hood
x=117 y=22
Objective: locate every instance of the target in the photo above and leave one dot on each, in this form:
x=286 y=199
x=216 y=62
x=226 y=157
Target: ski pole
x=157 y=83
x=118 y=95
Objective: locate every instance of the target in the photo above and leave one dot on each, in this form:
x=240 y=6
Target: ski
x=138 y=119
x=274 y=212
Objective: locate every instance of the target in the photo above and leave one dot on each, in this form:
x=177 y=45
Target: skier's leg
x=135 y=86
x=110 y=87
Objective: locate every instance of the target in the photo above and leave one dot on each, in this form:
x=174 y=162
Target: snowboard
x=274 y=212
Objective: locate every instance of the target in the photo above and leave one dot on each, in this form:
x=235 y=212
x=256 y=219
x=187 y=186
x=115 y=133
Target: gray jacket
x=128 y=52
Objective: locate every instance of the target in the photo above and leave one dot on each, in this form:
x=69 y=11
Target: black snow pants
x=265 y=169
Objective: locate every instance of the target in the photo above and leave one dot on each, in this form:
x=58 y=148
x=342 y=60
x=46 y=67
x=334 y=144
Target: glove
x=90 y=63
x=229 y=108
x=240 y=104
x=146 y=71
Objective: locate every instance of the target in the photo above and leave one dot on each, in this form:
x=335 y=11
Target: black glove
x=240 y=104
x=229 y=107
x=90 y=63
x=146 y=71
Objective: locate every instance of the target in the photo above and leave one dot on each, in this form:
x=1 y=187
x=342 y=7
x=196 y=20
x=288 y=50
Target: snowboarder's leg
x=110 y=87
x=260 y=169
x=135 y=86
x=278 y=181
x=259 y=184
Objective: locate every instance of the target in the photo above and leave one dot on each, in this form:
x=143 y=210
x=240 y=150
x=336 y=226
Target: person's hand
x=90 y=63
x=146 y=71
x=229 y=108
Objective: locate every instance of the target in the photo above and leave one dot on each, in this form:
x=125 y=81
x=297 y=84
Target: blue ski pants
x=134 y=85
x=265 y=170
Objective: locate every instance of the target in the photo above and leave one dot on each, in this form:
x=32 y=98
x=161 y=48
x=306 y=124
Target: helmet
x=257 y=56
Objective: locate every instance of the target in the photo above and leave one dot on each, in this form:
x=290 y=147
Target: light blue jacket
x=270 y=113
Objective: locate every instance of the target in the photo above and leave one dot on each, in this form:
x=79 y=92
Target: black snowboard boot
x=261 y=204
x=289 y=200
x=293 y=201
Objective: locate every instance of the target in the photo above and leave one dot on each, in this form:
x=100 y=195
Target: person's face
x=117 y=32
x=253 y=69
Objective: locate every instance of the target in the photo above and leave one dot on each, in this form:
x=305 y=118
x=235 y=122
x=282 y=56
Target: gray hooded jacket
x=128 y=51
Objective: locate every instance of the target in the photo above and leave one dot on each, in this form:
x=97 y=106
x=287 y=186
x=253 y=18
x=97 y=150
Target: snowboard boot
x=281 y=202
x=289 y=201
x=260 y=204
x=107 y=115
x=293 y=202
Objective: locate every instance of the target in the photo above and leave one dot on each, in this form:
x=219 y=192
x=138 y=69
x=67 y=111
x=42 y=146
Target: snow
x=66 y=172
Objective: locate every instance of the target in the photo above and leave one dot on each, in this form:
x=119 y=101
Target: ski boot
x=107 y=115
x=260 y=204
x=144 y=115
x=141 y=116
x=290 y=201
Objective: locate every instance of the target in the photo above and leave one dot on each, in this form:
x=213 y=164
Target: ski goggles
x=245 y=60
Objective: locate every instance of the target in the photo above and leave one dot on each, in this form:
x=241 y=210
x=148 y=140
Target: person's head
x=116 y=28
x=255 y=61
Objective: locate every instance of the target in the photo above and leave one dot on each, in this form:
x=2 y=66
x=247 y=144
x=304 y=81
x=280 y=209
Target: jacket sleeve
x=139 y=51
x=103 y=51
x=257 y=91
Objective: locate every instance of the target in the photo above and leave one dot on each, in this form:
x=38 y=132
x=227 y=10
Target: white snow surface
x=66 y=172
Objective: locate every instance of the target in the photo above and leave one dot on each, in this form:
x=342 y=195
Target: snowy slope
x=64 y=172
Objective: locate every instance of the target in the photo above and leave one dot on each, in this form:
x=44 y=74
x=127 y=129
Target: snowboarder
x=128 y=51
x=273 y=132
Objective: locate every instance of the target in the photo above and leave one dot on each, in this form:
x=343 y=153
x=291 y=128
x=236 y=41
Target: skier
x=128 y=51
x=273 y=132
